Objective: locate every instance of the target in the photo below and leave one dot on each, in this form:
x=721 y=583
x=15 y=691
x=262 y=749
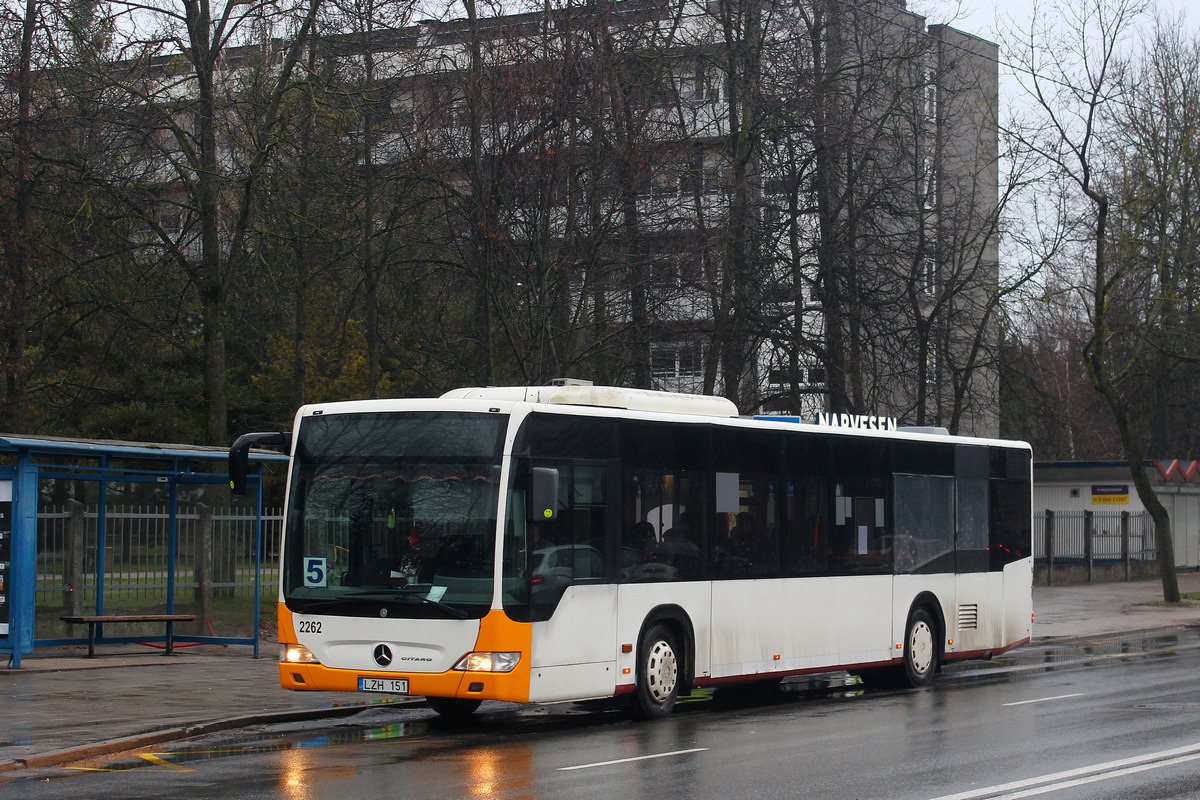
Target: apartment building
x=790 y=204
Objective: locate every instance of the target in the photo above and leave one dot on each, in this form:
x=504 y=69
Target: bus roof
x=685 y=407
x=604 y=397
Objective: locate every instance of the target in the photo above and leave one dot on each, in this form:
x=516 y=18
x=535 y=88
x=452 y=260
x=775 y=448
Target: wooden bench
x=93 y=621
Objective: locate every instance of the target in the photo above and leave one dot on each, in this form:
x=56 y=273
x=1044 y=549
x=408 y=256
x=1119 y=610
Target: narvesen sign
x=860 y=421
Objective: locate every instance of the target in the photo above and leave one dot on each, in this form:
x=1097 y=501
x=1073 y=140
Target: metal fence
x=135 y=558
x=139 y=562
x=1108 y=530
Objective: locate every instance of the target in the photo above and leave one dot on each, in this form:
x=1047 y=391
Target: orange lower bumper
x=496 y=633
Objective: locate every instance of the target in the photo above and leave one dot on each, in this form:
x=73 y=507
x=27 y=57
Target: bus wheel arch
x=665 y=665
x=923 y=647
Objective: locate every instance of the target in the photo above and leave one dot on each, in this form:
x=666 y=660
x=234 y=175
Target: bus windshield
x=394 y=514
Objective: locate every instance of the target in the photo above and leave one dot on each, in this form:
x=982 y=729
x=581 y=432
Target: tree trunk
x=209 y=274
x=1096 y=357
x=17 y=243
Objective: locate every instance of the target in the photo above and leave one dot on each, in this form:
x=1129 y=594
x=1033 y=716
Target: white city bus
x=543 y=544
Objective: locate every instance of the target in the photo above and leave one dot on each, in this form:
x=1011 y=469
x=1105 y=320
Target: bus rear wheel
x=658 y=674
x=453 y=707
x=920 y=649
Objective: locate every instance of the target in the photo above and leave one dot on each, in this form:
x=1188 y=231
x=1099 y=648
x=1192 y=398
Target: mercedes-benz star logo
x=383 y=655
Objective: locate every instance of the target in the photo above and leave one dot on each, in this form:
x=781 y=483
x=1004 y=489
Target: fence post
x=1088 y=533
x=123 y=541
x=204 y=558
x=1125 y=542
x=1049 y=547
x=1153 y=526
x=224 y=562
x=73 y=570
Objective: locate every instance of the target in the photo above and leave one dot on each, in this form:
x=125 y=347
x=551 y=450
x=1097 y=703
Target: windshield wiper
x=397 y=596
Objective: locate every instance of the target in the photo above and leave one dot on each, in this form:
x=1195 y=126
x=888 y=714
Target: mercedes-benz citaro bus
x=573 y=542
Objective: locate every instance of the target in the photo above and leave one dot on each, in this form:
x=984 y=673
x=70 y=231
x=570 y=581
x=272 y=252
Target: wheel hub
x=920 y=647
x=662 y=671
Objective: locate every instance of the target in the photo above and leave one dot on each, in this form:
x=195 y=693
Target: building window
x=929 y=185
x=773 y=186
x=805 y=376
x=931 y=96
x=927 y=279
x=676 y=361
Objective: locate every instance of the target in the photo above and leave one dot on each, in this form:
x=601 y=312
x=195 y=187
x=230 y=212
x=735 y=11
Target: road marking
x=1081 y=775
x=162 y=762
x=1101 y=777
x=1045 y=699
x=153 y=758
x=636 y=758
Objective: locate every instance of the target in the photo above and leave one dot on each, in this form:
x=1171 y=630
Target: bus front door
x=573 y=596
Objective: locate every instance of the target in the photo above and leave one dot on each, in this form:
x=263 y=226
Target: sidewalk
x=61 y=706
x=1105 y=608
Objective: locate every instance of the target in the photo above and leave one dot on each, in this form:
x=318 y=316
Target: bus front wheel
x=920 y=649
x=658 y=673
x=453 y=707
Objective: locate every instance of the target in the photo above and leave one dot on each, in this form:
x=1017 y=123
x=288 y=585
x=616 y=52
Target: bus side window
x=971 y=468
x=924 y=523
x=1009 y=519
x=746 y=542
x=861 y=530
x=570 y=547
x=666 y=543
x=589 y=505
x=808 y=515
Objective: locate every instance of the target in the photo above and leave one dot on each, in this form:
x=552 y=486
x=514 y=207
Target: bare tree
x=1155 y=180
x=198 y=141
x=1075 y=77
x=15 y=233
x=1047 y=398
x=881 y=176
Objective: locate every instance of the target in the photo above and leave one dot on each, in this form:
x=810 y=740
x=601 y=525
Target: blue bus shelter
x=32 y=467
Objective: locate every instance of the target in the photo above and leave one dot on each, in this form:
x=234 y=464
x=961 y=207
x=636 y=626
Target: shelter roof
x=12 y=443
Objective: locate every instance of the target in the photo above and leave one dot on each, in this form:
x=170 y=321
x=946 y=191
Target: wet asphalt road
x=1117 y=719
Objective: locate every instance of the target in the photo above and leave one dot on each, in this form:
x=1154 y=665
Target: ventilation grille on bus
x=968 y=617
x=1017 y=464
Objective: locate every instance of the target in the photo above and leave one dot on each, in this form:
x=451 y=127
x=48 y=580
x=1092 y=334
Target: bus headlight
x=296 y=654
x=488 y=662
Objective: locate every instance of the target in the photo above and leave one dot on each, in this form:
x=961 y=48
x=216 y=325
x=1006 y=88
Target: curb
x=45 y=667
x=1087 y=637
x=138 y=741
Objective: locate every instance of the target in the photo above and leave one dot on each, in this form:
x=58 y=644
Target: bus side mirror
x=239 y=456
x=542 y=502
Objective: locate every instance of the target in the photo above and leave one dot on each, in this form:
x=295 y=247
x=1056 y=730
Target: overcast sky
x=998 y=20
x=987 y=17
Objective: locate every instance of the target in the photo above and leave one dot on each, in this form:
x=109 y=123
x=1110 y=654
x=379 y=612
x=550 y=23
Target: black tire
x=453 y=707
x=921 y=639
x=659 y=673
